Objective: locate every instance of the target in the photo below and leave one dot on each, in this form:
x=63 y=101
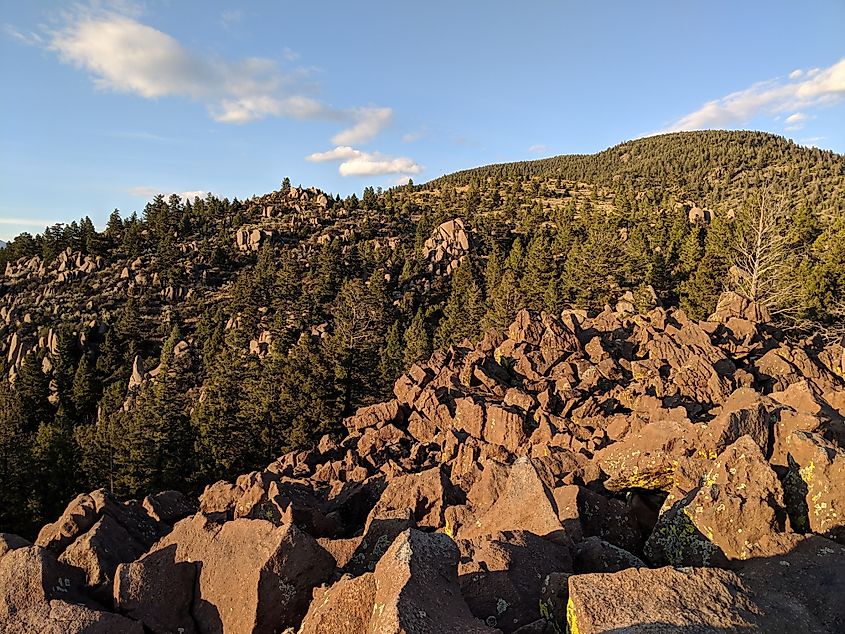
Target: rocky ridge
x=615 y=472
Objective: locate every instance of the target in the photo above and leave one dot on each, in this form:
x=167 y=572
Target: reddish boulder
x=684 y=600
x=158 y=591
x=169 y=507
x=821 y=467
x=40 y=594
x=596 y=555
x=526 y=504
x=426 y=494
x=501 y=576
x=737 y=513
x=745 y=412
x=585 y=513
x=253 y=575
x=100 y=549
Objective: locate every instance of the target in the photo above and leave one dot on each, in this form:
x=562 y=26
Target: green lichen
x=679 y=542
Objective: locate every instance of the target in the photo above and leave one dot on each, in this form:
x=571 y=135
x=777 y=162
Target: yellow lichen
x=571 y=618
x=806 y=473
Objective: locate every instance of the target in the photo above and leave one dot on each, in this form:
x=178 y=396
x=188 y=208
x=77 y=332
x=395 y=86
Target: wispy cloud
x=146 y=192
x=801 y=90
x=125 y=55
x=27 y=222
x=24 y=37
x=538 y=148
x=231 y=17
x=795 y=121
x=357 y=163
x=368 y=123
x=411 y=137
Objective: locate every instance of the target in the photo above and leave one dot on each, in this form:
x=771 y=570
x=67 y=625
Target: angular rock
x=253 y=575
x=649 y=458
x=100 y=549
x=821 y=467
x=413 y=590
x=157 y=591
x=501 y=576
x=169 y=507
x=526 y=504
x=426 y=494
x=596 y=555
x=684 y=600
x=39 y=594
x=737 y=513
x=745 y=412
x=585 y=513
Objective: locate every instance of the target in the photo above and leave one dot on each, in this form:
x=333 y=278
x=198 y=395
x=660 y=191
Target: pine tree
x=359 y=328
x=391 y=358
x=417 y=339
x=33 y=390
x=228 y=443
x=505 y=301
x=538 y=270
x=86 y=390
x=16 y=466
x=464 y=309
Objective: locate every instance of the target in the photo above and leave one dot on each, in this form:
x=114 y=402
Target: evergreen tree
x=33 y=391
x=391 y=358
x=464 y=309
x=86 y=390
x=16 y=467
x=417 y=340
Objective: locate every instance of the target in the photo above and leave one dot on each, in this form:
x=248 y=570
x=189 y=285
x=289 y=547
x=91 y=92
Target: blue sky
x=106 y=103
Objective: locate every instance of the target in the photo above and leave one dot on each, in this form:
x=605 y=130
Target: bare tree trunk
x=762 y=270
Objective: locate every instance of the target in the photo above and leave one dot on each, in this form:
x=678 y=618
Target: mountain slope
x=203 y=339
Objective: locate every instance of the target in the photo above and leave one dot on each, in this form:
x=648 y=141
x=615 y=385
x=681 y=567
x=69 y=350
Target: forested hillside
x=199 y=340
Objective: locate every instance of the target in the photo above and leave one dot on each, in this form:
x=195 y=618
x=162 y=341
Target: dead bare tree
x=763 y=265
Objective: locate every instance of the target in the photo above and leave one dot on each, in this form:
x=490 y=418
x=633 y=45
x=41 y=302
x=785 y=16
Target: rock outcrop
x=547 y=474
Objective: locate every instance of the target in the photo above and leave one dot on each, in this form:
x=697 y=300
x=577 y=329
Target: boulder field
x=614 y=473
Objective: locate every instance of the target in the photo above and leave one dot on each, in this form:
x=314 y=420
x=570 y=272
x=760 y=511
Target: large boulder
x=526 y=504
x=40 y=594
x=737 y=513
x=821 y=467
x=253 y=576
x=501 y=576
x=679 y=600
x=413 y=590
x=426 y=494
x=157 y=591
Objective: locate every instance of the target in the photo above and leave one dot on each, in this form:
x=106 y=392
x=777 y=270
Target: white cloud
x=143 y=191
x=147 y=193
x=125 y=55
x=340 y=153
x=357 y=163
x=796 y=73
x=375 y=165
x=538 y=148
x=368 y=123
x=816 y=87
x=795 y=121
